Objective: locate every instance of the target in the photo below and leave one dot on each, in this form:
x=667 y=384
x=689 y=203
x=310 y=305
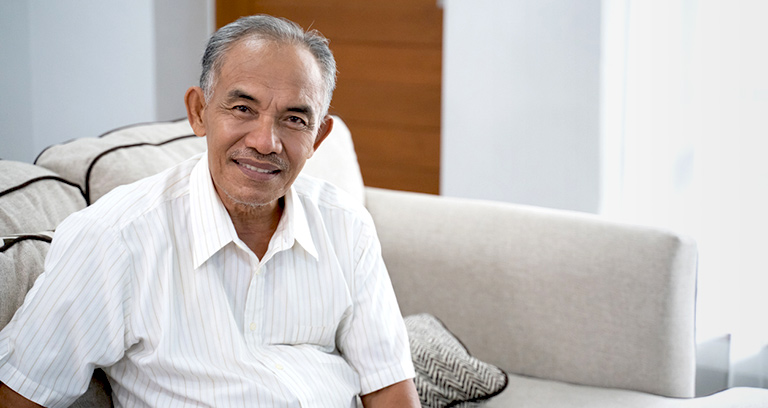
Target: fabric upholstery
x=336 y=161
x=34 y=199
x=545 y=293
x=537 y=393
x=122 y=156
x=21 y=262
x=128 y=154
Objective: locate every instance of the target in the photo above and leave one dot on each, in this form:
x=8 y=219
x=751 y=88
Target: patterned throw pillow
x=446 y=374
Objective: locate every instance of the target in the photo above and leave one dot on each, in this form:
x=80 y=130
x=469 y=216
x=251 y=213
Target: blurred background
x=652 y=112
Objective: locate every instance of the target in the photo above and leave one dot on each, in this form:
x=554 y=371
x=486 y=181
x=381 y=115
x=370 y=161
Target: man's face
x=262 y=121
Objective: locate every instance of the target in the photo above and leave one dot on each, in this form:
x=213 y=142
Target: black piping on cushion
x=87 y=194
x=41 y=178
x=19 y=238
x=108 y=133
x=46 y=149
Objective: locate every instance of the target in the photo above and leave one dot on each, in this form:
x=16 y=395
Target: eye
x=240 y=108
x=297 y=121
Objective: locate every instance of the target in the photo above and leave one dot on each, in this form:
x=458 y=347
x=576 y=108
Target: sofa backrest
x=547 y=293
x=34 y=199
x=130 y=153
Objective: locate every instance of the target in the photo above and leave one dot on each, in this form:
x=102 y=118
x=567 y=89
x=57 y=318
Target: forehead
x=258 y=64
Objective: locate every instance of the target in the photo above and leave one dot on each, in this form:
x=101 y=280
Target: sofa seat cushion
x=538 y=393
x=34 y=199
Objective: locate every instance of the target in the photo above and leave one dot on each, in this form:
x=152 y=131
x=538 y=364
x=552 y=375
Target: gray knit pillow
x=446 y=374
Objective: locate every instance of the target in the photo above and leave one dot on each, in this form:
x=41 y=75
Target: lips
x=254 y=168
x=257 y=169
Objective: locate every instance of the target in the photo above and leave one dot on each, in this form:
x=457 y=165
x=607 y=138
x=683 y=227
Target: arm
x=65 y=327
x=10 y=398
x=399 y=395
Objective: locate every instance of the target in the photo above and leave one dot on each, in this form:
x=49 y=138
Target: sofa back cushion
x=34 y=199
x=22 y=258
x=336 y=161
x=121 y=156
x=128 y=154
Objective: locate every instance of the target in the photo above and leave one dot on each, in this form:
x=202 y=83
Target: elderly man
x=228 y=280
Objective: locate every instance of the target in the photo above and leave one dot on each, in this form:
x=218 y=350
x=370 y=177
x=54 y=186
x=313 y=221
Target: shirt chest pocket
x=323 y=337
x=321 y=334
x=307 y=317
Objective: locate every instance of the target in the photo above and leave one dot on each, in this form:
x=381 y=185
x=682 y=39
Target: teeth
x=256 y=169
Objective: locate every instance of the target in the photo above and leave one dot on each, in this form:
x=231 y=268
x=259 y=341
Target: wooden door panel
x=389 y=57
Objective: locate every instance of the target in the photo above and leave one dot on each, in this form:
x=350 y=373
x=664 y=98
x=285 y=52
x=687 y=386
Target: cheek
x=222 y=138
x=303 y=149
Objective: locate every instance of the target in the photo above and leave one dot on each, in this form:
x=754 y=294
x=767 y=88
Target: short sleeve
x=375 y=341
x=74 y=317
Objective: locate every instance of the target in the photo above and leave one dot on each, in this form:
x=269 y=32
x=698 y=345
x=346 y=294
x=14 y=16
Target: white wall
x=520 y=115
x=92 y=68
x=15 y=80
x=81 y=68
x=182 y=28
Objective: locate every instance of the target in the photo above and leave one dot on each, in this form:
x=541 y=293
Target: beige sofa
x=579 y=311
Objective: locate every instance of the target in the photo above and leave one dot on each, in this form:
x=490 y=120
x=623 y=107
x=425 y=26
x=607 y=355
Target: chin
x=249 y=201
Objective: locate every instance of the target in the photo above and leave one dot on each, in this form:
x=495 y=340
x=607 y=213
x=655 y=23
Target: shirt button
x=252 y=326
x=279 y=367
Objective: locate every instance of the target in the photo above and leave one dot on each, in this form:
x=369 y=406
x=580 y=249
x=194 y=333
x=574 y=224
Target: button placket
x=254 y=307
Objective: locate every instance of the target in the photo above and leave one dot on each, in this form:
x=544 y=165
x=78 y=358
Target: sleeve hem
x=385 y=377
x=32 y=390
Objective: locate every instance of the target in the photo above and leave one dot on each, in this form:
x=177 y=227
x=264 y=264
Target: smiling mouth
x=256 y=169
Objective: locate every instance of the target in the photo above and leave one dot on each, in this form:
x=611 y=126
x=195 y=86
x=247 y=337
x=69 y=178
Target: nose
x=264 y=137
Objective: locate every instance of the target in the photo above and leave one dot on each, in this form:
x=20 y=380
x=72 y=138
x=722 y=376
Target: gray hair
x=268 y=28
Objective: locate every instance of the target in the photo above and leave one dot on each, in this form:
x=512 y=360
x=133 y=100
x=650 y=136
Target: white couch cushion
x=34 y=199
x=122 y=156
x=22 y=259
x=537 y=393
x=336 y=161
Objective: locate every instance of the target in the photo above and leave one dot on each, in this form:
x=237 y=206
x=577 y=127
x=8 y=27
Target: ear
x=325 y=129
x=195 y=101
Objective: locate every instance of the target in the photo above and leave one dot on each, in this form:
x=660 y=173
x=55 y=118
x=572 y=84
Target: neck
x=255 y=225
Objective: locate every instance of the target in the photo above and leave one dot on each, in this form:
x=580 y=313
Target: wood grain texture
x=389 y=57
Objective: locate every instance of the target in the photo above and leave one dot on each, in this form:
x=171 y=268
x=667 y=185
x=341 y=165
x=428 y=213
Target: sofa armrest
x=546 y=293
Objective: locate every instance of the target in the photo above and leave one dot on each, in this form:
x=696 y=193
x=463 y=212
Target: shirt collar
x=212 y=228
x=297 y=224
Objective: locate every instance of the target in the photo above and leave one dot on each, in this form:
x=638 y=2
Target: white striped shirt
x=152 y=284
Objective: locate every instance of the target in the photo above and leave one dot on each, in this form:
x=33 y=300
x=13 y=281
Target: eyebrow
x=302 y=109
x=239 y=94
